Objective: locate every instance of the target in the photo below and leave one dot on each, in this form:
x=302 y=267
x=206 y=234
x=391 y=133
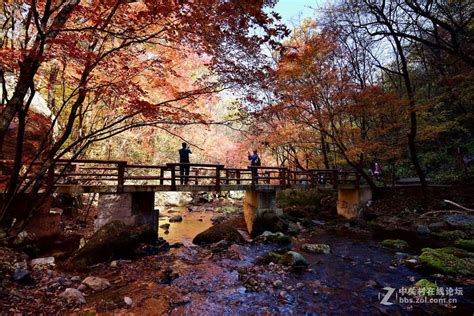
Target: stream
x=348 y=280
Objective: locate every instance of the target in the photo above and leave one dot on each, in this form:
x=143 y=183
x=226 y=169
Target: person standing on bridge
x=184 y=159
x=255 y=162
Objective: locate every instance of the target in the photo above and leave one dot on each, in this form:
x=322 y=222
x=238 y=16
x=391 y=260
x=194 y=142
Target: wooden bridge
x=127 y=191
x=117 y=176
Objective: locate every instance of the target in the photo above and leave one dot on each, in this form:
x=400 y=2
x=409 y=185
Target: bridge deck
x=179 y=188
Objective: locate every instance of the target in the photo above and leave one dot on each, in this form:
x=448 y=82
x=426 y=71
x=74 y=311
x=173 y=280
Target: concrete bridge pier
x=137 y=208
x=256 y=202
x=351 y=199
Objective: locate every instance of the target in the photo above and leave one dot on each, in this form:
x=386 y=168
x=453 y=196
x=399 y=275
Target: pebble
x=278 y=283
x=128 y=300
x=73 y=296
x=96 y=283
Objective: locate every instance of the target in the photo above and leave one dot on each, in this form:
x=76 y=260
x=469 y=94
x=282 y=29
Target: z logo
x=384 y=300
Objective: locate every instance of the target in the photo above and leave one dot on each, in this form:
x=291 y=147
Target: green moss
x=274 y=257
x=426 y=286
x=467 y=244
x=395 y=244
x=448 y=260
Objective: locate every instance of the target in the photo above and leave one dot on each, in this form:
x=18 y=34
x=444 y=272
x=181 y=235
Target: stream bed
x=351 y=279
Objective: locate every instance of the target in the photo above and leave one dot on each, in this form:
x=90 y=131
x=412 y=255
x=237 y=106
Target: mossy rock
x=290 y=259
x=467 y=244
x=316 y=248
x=448 y=260
x=450 y=235
x=426 y=286
x=397 y=244
x=217 y=233
x=277 y=238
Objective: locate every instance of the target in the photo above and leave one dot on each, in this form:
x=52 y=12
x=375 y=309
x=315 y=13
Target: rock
x=23 y=238
x=127 y=300
x=176 y=219
x=73 y=296
x=173 y=198
x=294 y=259
x=448 y=260
x=22 y=276
x=42 y=262
x=96 y=283
x=459 y=221
x=75 y=278
x=278 y=284
x=401 y=255
x=438 y=226
x=269 y=221
x=290 y=259
x=299 y=285
x=293 y=229
x=316 y=248
x=82 y=287
x=397 y=244
x=165 y=226
x=317 y=222
x=177 y=245
x=465 y=244
x=269 y=237
x=450 y=235
x=217 y=233
x=114 y=240
x=285 y=297
x=423 y=230
x=426 y=287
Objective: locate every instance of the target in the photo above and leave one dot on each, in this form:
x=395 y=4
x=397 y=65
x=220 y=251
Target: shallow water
x=194 y=222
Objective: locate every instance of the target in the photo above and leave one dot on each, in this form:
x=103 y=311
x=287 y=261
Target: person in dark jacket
x=255 y=162
x=184 y=159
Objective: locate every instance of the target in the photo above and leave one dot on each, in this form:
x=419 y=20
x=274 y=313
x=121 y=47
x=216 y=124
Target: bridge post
x=255 y=203
x=173 y=177
x=218 y=179
x=351 y=198
x=121 y=175
x=162 y=175
x=137 y=208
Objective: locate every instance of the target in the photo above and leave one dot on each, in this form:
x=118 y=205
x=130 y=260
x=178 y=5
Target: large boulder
x=217 y=233
x=114 y=240
x=269 y=221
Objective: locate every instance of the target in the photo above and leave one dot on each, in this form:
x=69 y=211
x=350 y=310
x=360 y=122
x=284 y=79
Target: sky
x=293 y=11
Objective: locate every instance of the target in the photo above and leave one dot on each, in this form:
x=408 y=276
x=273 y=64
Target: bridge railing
x=119 y=173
